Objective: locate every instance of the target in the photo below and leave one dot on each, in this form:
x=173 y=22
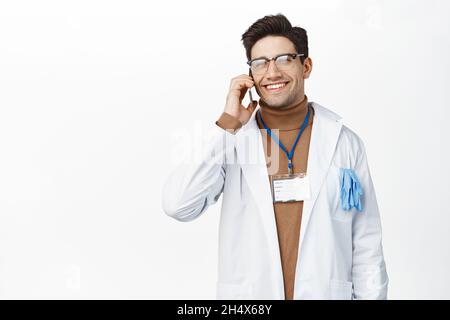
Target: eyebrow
x=261 y=57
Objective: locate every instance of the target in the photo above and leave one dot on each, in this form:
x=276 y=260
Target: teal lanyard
x=291 y=153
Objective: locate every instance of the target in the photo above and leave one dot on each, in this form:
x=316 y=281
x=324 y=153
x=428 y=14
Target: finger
x=242 y=83
x=241 y=89
x=242 y=86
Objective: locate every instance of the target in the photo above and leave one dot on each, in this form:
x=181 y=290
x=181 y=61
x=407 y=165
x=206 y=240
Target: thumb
x=252 y=106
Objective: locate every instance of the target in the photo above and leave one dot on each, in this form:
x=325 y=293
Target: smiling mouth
x=277 y=87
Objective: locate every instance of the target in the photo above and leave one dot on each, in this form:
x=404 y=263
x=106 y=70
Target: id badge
x=291 y=187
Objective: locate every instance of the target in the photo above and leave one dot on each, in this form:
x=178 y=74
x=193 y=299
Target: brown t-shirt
x=285 y=124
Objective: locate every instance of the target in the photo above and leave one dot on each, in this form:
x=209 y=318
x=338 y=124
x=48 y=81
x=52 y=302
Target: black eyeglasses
x=282 y=61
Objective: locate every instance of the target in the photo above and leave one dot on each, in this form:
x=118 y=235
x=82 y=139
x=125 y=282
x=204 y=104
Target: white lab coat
x=340 y=252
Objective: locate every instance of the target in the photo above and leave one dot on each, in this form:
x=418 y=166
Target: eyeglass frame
x=293 y=55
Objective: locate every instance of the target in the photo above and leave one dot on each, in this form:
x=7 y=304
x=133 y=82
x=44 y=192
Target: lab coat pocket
x=230 y=291
x=341 y=290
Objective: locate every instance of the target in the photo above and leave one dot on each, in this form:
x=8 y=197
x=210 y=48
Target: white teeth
x=276 y=86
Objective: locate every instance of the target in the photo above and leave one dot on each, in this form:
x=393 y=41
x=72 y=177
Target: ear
x=307 y=67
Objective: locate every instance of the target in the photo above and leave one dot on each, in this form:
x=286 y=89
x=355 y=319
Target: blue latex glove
x=351 y=190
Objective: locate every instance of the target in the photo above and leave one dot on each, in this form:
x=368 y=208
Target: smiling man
x=302 y=222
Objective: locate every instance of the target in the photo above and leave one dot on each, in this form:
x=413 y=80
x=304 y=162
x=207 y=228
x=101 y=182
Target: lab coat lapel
x=251 y=157
x=324 y=136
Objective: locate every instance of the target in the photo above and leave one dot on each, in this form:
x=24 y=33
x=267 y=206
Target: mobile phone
x=250 y=94
x=250 y=89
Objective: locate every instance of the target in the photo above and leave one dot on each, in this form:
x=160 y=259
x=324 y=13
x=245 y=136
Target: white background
x=92 y=94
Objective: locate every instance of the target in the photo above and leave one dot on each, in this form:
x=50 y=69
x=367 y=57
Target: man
x=301 y=221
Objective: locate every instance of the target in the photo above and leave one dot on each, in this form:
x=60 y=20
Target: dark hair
x=276 y=25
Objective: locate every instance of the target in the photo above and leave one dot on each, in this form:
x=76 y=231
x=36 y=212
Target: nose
x=272 y=70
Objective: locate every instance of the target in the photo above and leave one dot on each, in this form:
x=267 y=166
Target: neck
x=285 y=118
